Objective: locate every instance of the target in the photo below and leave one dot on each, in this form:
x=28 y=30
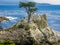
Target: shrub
x=27 y=27
x=7 y=42
x=20 y=26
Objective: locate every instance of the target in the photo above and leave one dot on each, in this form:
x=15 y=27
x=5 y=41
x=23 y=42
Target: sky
x=55 y=2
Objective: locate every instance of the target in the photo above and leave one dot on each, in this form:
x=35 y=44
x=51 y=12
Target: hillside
x=37 y=32
x=45 y=4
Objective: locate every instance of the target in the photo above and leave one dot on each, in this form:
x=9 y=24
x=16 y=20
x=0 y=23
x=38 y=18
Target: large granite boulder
x=37 y=32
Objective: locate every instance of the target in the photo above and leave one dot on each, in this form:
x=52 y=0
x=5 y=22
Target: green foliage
x=31 y=4
x=44 y=16
x=22 y=4
x=27 y=27
x=30 y=8
x=6 y=42
x=26 y=4
x=20 y=26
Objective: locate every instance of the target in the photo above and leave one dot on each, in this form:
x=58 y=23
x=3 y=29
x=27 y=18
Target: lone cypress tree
x=30 y=8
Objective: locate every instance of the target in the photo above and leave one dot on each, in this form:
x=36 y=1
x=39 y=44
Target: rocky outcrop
x=3 y=18
x=37 y=32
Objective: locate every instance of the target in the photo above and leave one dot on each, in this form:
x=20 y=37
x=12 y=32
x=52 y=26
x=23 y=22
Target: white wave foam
x=11 y=18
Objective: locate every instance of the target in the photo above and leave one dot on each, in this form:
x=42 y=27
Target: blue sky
x=55 y=2
x=3 y=2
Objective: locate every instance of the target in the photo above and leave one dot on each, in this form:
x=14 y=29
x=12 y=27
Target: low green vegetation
x=7 y=42
x=27 y=27
x=20 y=26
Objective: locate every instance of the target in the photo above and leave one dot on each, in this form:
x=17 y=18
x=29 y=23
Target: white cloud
x=48 y=1
x=38 y=1
x=6 y=2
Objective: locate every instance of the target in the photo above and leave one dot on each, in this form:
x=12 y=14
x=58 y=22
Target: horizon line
x=37 y=3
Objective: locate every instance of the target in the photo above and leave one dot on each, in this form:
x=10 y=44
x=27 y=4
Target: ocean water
x=14 y=13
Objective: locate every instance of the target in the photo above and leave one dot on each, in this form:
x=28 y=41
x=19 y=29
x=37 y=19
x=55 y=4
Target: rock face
x=3 y=18
x=37 y=32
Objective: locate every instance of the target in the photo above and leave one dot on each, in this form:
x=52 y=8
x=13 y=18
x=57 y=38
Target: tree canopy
x=30 y=8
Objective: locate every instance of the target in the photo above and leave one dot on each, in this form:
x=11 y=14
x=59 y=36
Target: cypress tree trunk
x=29 y=16
x=29 y=13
